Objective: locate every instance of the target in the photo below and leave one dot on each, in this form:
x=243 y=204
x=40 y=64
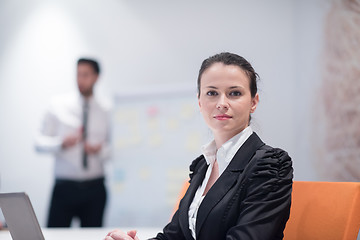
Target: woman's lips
x=222 y=117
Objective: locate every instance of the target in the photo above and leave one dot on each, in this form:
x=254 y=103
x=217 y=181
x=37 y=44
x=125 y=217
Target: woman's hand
x=120 y=235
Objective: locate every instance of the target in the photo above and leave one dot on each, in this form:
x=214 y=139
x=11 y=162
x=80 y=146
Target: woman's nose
x=222 y=103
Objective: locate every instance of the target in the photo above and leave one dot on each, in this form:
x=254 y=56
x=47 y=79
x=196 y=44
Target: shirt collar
x=227 y=151
x=82 y=99
x=209 y=151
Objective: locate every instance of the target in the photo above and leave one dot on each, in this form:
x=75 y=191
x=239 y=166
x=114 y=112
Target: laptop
x=20 y=216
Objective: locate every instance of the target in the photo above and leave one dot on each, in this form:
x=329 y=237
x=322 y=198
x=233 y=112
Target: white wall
x=147 y=43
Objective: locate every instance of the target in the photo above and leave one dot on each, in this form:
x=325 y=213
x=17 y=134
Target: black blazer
x=250 y=200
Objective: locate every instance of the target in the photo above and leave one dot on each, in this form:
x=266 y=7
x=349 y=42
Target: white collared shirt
x=63 y=118
x=223 y=155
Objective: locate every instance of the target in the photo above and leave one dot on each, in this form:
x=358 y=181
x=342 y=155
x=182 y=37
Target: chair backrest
x=324 y=210
x=181 y=195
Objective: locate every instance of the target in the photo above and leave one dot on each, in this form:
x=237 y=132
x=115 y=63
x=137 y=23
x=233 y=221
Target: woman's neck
x=222 y=137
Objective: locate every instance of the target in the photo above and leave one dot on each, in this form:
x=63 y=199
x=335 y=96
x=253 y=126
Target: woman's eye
x=235 y=93
x=211 y=93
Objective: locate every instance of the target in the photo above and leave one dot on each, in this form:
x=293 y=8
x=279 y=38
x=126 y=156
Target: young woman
x=240 y=188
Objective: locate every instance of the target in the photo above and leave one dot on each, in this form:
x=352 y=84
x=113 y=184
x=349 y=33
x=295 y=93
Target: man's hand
x=71 y=140
x=92 y=148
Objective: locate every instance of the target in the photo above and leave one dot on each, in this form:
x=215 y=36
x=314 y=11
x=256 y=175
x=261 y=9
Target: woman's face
x=225 y=99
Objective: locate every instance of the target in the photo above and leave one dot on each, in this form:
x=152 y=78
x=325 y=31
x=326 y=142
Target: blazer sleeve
x=173 y=230
x=266 y=205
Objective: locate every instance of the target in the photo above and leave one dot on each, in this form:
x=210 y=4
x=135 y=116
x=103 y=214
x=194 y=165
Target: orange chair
x=324 y=211
x=320 y=211
x=181 y=195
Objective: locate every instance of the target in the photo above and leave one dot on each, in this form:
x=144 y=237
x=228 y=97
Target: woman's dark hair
x=230 y=59
x=93 y=63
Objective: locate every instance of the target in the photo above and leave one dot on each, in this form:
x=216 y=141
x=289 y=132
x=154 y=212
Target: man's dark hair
x=93 y=63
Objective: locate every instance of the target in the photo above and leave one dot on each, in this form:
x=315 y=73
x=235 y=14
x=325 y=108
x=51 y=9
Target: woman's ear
x=254 y=103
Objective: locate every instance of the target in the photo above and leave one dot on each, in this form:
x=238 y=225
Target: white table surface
x=84 y=233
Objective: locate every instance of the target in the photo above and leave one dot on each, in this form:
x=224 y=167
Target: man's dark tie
x=85 y=121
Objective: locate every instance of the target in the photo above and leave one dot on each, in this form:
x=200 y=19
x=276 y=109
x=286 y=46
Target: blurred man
x=75 y=130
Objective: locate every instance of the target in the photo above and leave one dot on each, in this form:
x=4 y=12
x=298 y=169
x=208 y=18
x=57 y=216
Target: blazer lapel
x=188 y=198
x=228 y=179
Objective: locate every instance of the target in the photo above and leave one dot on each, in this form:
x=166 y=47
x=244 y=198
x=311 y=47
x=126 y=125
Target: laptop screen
x=20 y=216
